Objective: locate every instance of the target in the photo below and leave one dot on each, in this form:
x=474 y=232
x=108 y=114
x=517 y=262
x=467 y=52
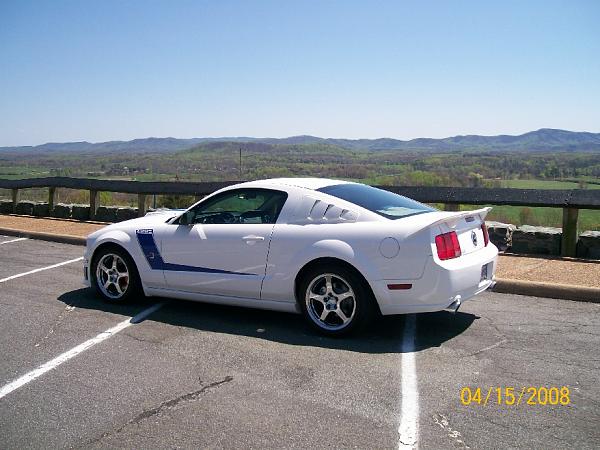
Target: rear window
x=384 y=203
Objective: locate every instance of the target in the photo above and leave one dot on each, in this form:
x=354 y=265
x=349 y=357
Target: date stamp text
x=516 y=396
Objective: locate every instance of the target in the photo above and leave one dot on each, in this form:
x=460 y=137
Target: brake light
x=447 y=246
x=486 y=236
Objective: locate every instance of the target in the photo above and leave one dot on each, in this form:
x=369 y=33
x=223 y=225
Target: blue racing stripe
x=156 y=262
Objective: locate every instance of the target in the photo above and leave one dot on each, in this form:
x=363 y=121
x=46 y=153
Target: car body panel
x=239 y=252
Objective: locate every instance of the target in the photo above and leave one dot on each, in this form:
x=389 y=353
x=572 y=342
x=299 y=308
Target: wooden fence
x=571 y=201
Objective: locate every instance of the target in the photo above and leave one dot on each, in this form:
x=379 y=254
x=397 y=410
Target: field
x=551 y=217
x=547 y=184
x=588 y=219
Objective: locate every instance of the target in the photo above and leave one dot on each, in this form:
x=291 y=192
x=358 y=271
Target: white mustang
x=338 y=252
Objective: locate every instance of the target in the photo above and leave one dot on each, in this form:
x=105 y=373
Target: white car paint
x=256 y=265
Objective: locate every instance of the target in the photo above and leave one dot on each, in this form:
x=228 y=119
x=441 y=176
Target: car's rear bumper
x=442 y=283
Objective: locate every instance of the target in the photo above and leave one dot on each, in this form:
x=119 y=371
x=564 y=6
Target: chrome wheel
x=112 y=276
x=330 y=302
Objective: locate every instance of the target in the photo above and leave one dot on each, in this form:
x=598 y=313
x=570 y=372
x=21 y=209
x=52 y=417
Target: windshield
x=384 y=203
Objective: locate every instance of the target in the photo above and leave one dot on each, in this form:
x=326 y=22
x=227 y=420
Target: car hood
x=150 y=219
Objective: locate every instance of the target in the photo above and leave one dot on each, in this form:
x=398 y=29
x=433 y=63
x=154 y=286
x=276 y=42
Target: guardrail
x=571 y=201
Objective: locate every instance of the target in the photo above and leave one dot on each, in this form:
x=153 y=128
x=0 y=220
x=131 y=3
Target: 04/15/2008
x=511 y=396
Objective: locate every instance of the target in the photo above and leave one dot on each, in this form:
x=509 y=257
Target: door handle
x=252 y=238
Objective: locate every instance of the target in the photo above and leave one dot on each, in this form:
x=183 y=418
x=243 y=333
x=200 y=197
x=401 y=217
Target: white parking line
x=409 y=415
x=13 y=240
x=19 y=275
x=16 y=384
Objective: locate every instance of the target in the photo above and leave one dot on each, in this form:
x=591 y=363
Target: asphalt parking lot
x=193 y=375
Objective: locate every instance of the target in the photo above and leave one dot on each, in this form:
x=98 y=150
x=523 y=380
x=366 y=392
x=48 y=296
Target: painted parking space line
x=41 y=269
x=64 y=357
x=409 y=413
x=13 y=240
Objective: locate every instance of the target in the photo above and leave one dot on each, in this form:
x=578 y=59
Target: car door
x=220 y=246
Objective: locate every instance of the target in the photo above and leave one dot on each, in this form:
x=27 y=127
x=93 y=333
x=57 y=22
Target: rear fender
x=334 y=248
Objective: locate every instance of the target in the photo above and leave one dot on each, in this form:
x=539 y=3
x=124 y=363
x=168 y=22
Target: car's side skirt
x=290 y=306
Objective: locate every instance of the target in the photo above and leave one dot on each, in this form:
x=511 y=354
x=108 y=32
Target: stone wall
x=537 y=240
x=67 y=211
x=588 y=245
x=501 y=234
x=527 y=239
x=6 y=206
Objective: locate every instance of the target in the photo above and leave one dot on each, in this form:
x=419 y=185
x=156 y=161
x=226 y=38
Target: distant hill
x=149 y=145
x=545 y=139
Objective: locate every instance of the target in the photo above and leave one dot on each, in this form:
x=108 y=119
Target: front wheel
x=335 y=301
x=114 y=275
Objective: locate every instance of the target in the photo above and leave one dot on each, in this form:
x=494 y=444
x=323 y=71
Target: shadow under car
x=383 y=336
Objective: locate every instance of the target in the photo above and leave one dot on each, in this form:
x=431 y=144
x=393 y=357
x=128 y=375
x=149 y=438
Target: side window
x=240 y=206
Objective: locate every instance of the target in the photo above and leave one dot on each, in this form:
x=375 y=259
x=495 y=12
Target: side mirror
x=186 y=218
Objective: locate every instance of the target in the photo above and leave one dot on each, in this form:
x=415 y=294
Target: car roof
x=306 y=183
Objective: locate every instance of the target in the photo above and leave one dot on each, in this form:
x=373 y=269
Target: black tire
x=362 y=299
x=130 y=289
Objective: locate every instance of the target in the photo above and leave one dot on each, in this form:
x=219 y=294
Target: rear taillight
x=486 y=236
x=447 y=245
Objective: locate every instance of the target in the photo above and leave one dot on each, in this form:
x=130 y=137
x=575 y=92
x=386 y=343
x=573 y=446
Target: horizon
x=117 y=71
x=224 y=138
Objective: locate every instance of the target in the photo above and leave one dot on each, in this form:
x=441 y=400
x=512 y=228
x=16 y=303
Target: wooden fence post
x=51 y=198
x=94 y=203
x=570 y=233
x=15 y=200
x=141 y=205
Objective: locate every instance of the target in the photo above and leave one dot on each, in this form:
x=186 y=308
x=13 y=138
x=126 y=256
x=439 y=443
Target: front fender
x=148 y=277
x=118 y=237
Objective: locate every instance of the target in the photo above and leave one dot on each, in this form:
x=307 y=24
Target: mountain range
x=545 y=139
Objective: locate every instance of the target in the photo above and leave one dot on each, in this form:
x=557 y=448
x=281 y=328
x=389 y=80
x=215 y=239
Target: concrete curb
x=504 y=286
x=61 y=238
x=549 y=290
x=57 y=219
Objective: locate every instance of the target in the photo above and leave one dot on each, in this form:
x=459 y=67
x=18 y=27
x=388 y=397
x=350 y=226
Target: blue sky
x=96 y=71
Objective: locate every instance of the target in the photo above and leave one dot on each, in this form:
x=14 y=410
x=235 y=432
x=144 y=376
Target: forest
x=221 y=161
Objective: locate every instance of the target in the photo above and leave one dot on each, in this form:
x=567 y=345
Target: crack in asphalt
x=489 y=347
x=502 y=339
x=455 y=435
x=157 y=410
x=495 y=326
x=57 y=323
x=491 y=421
x=143 y=339
x=170 y=404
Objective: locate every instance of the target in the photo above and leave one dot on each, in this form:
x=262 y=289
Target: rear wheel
x=114 y=275
x=335 y=301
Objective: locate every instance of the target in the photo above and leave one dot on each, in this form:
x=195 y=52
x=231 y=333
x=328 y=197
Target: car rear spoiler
x=451 y=219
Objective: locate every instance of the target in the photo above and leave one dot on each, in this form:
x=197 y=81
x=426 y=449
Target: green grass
x=550 y=217
x=544 y=184
x=18 y=172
